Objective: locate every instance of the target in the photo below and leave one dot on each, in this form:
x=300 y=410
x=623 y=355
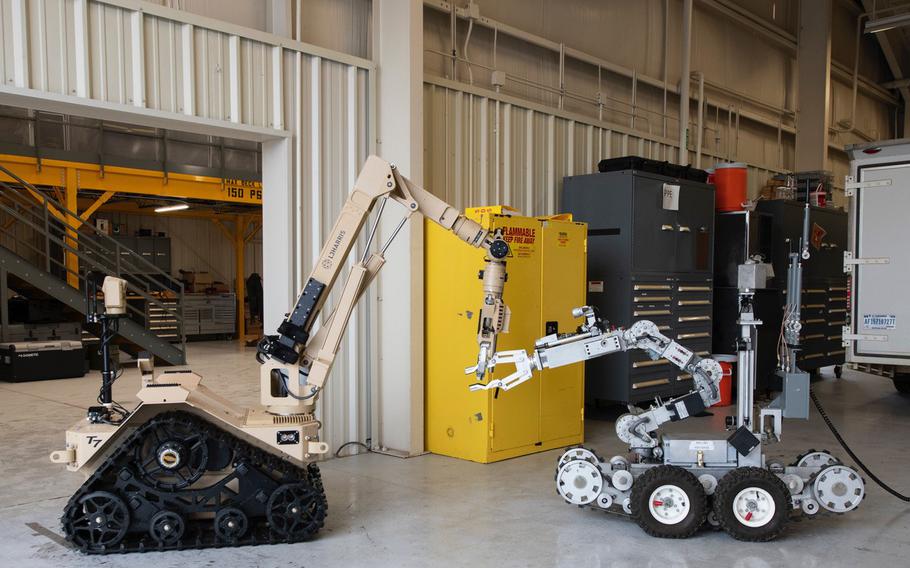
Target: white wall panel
x=484 y=148
x=750 y=79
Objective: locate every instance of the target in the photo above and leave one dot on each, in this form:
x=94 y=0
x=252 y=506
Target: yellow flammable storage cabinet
x=546 y=279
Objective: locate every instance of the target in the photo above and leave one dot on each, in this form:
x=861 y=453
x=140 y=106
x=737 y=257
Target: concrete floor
x=437 y=511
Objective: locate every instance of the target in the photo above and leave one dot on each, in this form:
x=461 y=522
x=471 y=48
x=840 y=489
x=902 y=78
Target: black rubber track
x=197 y=534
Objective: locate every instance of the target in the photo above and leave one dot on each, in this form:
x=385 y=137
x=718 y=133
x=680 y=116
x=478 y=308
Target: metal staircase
x=36 y=235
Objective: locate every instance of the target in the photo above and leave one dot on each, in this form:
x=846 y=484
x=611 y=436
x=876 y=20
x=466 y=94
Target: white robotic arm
x=297 y=360
x=594 y=340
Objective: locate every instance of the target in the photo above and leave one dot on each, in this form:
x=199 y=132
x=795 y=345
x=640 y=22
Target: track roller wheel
x=166 y=528
x=752 y=504
x=230 y=524
x=101 y=522
x=668 y=502
x=295 y=511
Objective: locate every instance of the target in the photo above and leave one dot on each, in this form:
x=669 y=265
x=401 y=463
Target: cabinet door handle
x=666 y=227
x=684 y=229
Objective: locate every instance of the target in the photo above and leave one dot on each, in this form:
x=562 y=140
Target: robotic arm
x=296 y=362
x=593 y=339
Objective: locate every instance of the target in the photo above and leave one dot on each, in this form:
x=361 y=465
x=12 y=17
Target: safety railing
x=43 y=231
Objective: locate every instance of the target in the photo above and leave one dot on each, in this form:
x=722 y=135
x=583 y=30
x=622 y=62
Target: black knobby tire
x=99 y=523
x=742 y=479
x=656 y=477
x=295 y=511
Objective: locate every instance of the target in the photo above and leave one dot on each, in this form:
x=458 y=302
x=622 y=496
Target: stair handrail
x=170 y=283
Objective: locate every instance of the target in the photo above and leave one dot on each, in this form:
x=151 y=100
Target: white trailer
x=877 y=334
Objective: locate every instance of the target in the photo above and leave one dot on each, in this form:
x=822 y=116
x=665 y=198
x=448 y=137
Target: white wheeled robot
x=671 y=485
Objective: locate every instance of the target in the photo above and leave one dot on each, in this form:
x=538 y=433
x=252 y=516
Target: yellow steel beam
x=256 y=225
x=91 y=209
x=225 y=230
x=240 y=223
x=72 y=236
x=133 y=180
x=40 y=199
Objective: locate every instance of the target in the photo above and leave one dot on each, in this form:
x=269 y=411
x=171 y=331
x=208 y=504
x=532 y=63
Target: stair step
x=73 y=299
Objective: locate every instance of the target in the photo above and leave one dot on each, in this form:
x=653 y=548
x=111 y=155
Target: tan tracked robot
x=187 y=468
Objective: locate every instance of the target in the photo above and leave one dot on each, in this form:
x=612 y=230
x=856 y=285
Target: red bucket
x=726 y=381
x=730 y=181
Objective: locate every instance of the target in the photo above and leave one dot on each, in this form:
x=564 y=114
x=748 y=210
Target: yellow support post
x=240 y=223
x=72 y=237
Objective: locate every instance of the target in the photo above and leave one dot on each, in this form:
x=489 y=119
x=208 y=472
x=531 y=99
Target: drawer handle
x=651 y=287
x=812 y=306
x=816 y=320
x=639 y=364
x=813 y=356
x=837 y=337
x=694 y=288
x=684 y=229
x=637 y=313
x=695 y=318
x=654 y=383
x=666 y=227
x=838 y=352
x=663 y=327
x=840 y=323
x=837 y=299
x=838 y=311
x=837 y=289
x=693 y=335
x=694 y=302
x=651 y=299
x=686 y=377
x=815 y=336
x=813 y=291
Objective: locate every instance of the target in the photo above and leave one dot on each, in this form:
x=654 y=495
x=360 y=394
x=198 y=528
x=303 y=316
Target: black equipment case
x=39 y=360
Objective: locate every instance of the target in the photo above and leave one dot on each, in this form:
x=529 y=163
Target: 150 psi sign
x=243 y=190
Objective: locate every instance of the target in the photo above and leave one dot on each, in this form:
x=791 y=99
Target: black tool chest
x=645 y=262
x=775 y=230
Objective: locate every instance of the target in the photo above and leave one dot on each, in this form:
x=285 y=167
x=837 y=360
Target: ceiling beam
x=888 y=50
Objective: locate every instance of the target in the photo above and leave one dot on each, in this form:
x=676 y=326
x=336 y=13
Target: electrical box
x=546 y=279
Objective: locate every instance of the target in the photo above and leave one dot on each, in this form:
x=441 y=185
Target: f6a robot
x=670 y=484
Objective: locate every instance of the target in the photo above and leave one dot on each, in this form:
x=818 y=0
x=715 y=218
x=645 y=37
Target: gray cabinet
x=645 y=262
x=155 y=250
x=205 y=314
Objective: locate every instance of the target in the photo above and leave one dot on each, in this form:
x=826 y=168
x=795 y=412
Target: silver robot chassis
x=750 y=503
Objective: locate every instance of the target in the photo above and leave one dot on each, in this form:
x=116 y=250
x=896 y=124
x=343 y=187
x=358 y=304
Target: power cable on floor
x=840 y=440
x=354 y=443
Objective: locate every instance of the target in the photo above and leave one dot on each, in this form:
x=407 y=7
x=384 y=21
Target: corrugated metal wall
x=151 y=62
x=331 y=124
x=486 y=148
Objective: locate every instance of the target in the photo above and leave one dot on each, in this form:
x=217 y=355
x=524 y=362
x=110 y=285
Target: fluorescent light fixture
x=169 y=208
x=885 y=24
